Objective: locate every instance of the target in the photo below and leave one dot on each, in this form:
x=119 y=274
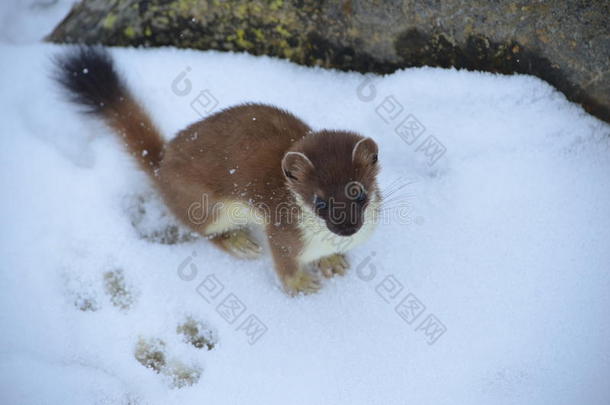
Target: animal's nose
x=348 y=230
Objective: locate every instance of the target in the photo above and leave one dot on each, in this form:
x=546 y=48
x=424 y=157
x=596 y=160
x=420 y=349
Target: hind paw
x=238 y=243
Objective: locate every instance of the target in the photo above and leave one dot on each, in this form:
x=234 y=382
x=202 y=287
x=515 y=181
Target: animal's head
x=333 y=174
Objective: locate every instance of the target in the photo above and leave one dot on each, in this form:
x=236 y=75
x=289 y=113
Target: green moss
x=259 y=34
x=222 y=4
x=109 y=21
x=256 y=8
x=282 y=31
x=161 y=21
x=287 y=51
x=240 y=39
x=186 y=6
x=241 y=11
x=276 y=4
x=129 y=32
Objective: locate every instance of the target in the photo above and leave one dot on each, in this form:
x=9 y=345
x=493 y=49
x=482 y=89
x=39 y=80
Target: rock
x=564 y=42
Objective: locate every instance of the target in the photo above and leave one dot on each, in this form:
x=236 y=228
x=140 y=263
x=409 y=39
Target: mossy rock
x=564 y=42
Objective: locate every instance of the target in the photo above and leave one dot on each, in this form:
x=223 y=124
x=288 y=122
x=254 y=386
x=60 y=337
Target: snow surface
x=504 y=239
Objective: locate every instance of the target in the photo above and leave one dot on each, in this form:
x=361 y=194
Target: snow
x=501 y=233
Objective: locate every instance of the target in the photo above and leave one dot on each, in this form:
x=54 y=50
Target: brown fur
x=141 y=137
x=240 y=155
x=199 y=160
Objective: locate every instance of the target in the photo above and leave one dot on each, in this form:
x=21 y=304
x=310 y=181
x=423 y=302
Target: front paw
x=332 y=265
x=303 y=282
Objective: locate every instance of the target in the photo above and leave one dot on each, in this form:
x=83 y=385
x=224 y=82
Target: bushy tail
x=88 y=75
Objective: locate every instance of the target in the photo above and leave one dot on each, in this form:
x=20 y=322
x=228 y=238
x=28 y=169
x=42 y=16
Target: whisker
x=393 y=188
x=394 y=208
x=398 y=198
x=393 y=184
x=397 y=201
x=390 y=191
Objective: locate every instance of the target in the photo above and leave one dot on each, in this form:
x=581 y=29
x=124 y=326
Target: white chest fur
x=320 y=242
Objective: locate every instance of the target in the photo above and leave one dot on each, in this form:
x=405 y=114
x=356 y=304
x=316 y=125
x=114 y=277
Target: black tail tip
x=88 y=76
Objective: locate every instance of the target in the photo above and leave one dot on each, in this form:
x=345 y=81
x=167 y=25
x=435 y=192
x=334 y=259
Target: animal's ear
x=365 y=152
x=295 y=165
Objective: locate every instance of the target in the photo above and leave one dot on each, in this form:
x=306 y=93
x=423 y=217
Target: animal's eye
x=319 y=203
x=361 y=196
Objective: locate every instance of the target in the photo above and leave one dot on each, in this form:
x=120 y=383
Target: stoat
x=314 y=192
